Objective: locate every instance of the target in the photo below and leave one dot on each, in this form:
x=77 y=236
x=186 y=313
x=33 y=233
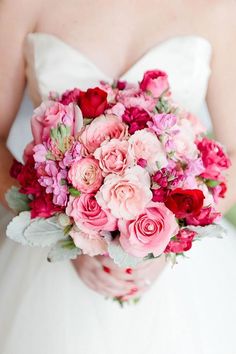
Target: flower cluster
x=123 y=163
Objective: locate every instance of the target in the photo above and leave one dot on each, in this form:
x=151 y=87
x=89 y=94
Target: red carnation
x=70 y=96
x=182 y=242
x=28 y=179
x=15 y=168
x=185 y=202
x=206 y=217
x=43 y=206
x=136 y=118
x=93 y=102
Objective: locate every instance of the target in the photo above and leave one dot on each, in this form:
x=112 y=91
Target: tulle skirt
x=46 y=309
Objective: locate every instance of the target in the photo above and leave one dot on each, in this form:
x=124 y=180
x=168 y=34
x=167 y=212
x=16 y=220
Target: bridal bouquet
x=119 y=170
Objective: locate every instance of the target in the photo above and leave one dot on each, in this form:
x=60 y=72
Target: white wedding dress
x=46 y=309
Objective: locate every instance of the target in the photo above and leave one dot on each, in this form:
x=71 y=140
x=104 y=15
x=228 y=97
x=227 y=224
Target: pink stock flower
x=163 y=123
x=214 y=158
x=103 y=128
x=182 y=242
x=136 y=118
x=126 y=196
x=86 y=175
x=206 y=216
x=89 y=216
x=91 y=244
x=150 y=232
x=49 y=114
x=145 y=145
x=113 y=156
x=155 y=81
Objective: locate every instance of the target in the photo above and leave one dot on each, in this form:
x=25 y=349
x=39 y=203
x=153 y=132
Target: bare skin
x=114 y=35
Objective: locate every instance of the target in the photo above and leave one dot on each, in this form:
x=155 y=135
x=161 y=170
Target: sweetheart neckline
x=131 y=68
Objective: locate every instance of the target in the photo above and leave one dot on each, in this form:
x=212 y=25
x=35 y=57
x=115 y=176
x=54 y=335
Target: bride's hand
x=102 y=275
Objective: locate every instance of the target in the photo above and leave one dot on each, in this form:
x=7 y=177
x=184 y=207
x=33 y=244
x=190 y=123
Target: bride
x=56 y=45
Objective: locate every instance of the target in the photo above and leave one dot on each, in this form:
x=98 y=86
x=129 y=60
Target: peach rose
x=150 y=232
x=113 y=156
x=91 y=244
x=86 y=175
x=103 y=128
x=49 y=114
x=126 y=196
x=145 y=145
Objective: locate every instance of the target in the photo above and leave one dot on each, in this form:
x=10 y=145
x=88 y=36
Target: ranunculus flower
x=155 y=81
x=28 y=179
x=86 y=175
x=49 y=114
x=91 y=244
x=136 y=118
x=205 y=217
x=150 y=232
x=43 y=206
x=126 y=196
x=182 y=242
x=145 y=145
x=70 y=96
x=113 y=156
x=103 y=128
x=93 y=102
x=184 y=141
x=214 y=158
x=89 y=216
x=185 y=202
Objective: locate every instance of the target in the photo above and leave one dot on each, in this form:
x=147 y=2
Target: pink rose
x=86 y=175
x=113 y=156
x=126 y=196
x=89 y=216
x=103 y=128
x=150 y=232
x=91 y=244
x=155 y=81
x=145 y=145
x=182 y=242
x=49 y=114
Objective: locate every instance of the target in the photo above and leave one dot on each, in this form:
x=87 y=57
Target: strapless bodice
x=53 y=65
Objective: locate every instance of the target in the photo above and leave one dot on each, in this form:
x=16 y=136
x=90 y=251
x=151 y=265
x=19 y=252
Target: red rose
x=43 y=206
x=93 y=102
x=28 y=179
x=185 y=202
x=182 y=242
x=16 y=168
x=155 y=81
x=206 y=217
x=70 y=96
x=136 y=118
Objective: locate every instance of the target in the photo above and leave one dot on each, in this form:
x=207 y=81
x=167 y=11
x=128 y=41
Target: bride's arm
x=222 y=93
x=16 y=19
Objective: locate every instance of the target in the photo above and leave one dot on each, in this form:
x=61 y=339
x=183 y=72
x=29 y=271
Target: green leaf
x=74 y=192
x=16 y=200
x=63 y=250
x=212 y=183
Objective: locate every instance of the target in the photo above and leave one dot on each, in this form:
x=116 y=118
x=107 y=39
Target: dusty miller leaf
x=44 y=232
x=16 y=200
x=15 y=229
x=63 y=250
x=120 y=257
